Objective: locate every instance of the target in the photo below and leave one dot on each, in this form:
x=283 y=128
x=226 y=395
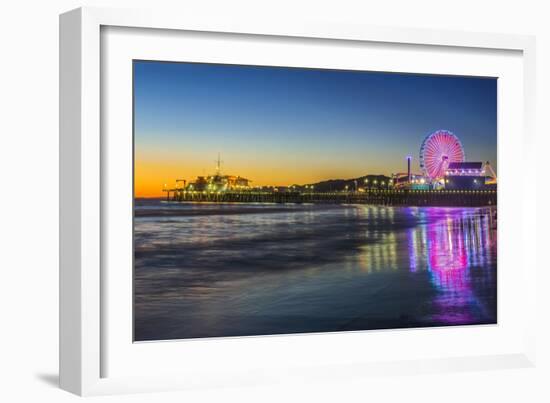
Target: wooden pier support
x=442 y=198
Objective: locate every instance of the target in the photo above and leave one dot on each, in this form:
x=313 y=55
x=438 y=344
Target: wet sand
x=237 y=270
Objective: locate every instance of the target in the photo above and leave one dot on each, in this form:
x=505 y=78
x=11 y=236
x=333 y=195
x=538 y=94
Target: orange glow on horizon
x=152 y=172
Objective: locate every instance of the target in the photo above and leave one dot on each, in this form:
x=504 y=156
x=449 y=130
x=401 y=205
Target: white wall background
x=29 y=201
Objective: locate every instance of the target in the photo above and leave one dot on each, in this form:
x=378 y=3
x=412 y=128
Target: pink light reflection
x=449 y=264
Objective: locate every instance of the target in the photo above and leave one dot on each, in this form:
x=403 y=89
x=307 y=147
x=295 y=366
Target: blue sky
x=327 y=122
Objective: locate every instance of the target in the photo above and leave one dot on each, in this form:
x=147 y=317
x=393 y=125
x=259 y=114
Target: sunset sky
x=280 y=126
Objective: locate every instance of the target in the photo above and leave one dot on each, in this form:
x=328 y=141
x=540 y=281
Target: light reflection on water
x=211 y=270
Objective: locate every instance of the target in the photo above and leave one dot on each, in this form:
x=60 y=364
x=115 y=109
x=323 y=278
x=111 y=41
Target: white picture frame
x=85 y=311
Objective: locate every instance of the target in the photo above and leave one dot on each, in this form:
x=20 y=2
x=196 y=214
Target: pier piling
x=448 y=198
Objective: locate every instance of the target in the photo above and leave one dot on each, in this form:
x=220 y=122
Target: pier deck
x=449 y=198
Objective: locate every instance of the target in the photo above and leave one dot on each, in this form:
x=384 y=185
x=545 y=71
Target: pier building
x=469 y=175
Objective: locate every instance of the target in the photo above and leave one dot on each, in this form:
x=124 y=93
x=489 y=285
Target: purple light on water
x=449 y=263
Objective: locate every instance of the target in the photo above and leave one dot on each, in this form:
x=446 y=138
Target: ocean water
x=214 y=270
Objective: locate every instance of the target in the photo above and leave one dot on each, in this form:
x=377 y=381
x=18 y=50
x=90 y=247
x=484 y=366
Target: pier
x=389 y=197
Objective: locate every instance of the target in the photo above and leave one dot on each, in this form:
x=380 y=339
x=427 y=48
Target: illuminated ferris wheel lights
x=437 y=151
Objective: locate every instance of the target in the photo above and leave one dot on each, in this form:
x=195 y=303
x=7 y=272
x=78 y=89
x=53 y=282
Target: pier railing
x=449 y=198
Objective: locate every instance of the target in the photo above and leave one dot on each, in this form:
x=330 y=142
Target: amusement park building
x=219 y=183
x=465 y=175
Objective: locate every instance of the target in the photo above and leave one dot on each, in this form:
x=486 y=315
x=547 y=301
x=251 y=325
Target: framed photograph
x=249 y=202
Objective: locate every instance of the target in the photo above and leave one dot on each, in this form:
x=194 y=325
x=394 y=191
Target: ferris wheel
x=437 y=151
